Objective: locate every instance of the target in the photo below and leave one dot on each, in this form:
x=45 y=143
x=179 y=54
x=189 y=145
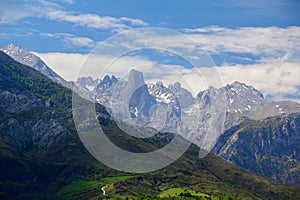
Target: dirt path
x=103 y=189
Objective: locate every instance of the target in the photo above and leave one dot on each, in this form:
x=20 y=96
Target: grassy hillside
x=69 y=172
x=17 y=78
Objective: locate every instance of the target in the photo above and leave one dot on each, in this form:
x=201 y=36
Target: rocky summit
x=24 y=57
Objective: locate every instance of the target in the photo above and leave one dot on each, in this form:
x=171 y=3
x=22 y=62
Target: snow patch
x=245 y=87
x=163 y=98
x=90 y=88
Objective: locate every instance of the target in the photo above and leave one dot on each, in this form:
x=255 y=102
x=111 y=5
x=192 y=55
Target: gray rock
x=14 y=134
x=269 y=147
x=16 y=103
x=46 y=134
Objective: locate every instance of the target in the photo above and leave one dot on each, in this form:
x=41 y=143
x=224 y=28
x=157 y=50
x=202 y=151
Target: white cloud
x=81 y=41
x=136 y=22
x=268 y=41
x=18 y=10
x=276 y=71
x=10 y=12
x=69 y=66
x=278 y=82
x=262 y=43
x=87 y=20
x=69 y=1
x=206 y=29
x=47 y=4
x=72 y=40
x=94 y=21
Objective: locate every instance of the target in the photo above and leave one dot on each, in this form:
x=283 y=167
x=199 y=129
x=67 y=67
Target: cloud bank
x=274 y=54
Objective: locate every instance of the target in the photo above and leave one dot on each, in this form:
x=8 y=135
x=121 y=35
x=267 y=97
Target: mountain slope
x=269 y=147
x=24 y=57
x=33 y=172
x=29 y=104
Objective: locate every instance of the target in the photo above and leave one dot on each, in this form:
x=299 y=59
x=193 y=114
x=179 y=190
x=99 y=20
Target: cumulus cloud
x=10 y=12
x=17 y=11
x=133 y=21
x=71 y=66
x=264 y=41
x=67 y=65
x=93 y=20
x=275 y=72
x=81 y=41
x=252 y=44
x=72 y=40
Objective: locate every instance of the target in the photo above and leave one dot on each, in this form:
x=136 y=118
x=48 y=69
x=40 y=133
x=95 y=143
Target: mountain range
x=39 y=140
x=243 y=106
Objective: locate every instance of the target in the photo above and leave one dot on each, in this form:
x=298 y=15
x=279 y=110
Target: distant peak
x=177 y=85
x=136 y=75
x=237 y=83
x=12 y=49
x=11 y=46
x=159 y=83
x=113 y=78
x=135 y=79
x=135 y=72
x=108 y=79
x=242 y=86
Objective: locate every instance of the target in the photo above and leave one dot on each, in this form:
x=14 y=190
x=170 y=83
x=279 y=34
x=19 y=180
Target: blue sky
x=255 y=42
x=27 y=24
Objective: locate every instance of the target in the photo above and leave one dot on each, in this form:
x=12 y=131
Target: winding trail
x=103 y=189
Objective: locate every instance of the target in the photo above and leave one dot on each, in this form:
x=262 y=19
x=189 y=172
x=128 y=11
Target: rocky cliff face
x=269 y=147
x=42 y=130
x=138 y=97
x=30 y=120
